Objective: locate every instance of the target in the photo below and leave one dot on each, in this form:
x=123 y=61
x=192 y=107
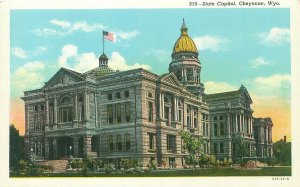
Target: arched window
x=65 y=100
x=150 y=95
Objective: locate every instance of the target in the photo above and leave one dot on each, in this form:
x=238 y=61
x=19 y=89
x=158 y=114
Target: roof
x=100 y=71
x=184 y=43
x=263 y=121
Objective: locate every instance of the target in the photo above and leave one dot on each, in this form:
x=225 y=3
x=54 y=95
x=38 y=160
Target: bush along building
x=136 y=114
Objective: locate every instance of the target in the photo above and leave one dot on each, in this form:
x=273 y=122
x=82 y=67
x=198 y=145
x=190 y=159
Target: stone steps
x=59 y=166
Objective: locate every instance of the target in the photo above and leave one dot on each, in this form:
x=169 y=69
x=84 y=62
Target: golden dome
x=184 y=42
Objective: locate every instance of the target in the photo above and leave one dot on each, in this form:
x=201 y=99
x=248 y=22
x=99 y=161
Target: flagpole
x=103 y=41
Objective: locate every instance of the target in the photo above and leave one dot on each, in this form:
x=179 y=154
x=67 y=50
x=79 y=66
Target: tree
x=16 y=147
x=192 y=144
x=240 y=149
x=282 y=152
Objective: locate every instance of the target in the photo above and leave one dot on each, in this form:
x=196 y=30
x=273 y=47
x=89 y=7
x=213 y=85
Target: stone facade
x=135 y=114
x=263 y=136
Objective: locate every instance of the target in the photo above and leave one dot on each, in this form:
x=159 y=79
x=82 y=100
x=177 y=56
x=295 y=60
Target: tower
x=185 y=63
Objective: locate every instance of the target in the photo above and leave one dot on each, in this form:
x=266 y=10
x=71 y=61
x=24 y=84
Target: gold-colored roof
x=184 y=42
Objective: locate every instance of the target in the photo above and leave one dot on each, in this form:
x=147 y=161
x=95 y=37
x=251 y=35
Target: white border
x=6 y=6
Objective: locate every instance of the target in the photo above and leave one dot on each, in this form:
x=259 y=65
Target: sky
x=249 y=47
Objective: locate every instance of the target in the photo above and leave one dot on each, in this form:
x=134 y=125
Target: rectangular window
x=179 y=116
x=127 y=141
x=110 y=143
x=215 y=118
x=221 y=118
x=221 y=148
x=119 y=142
x=216 y=148
x=150 y=111
x=51 y=116
x=222 y=130
x=126 y=94
x=152 y=141
x=207 y=129
x=127 y=112
x=166 y=113
x=110 y=114
x=109 y=96
x=203 y=129
x=215 y=129
x=118 y=95
x=118 y=113
x=195 y=122
x=188 y=121
x=66 y=114
x=171 y=143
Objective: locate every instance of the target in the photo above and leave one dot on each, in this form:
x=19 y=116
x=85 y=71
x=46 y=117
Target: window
x=118 y=113
x=42 y=107
x=65 y=100
x=127 y=141
x=118 y=95
x=215 y=118
x=215 y=129
x=51 y=115
x=109 y=96
x=36 y=108
x=203 y=129
x=221 y=148
x=215 y=148
x=167 y=113
x=110 y=143
x=119 y=142
x=207 y=129
x=222 y=131
x=179 y=116
x=221 y=117
x=127 y=94
x=66 y=114
x=195 y=122
x=150 y=95
x=171 y=143
x=127 y=111
x=150 y=111
x=152 y=140
x=35 y=123
x=110 y=114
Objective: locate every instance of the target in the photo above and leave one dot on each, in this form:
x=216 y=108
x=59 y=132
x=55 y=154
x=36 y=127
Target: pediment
x=64 y=76
x=244 y=95
x=171 y=79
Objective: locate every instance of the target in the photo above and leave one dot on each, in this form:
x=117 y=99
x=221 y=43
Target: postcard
x=198 y=93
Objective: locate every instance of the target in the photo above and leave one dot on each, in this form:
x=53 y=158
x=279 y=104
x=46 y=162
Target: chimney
x=284 y=139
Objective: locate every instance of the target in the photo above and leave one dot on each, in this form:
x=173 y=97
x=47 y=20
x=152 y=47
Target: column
x=185 y=74
x=242 y=123
x=194 y=74
x=47 y=110
x=75 y=107
x=87 y=145
x=228 y=125
x=75 y=146
x=85 y=103
x=236 y=123
x=54 y=148
x=55 y=110
x=182 y=74
x=163 y=105
x=175 y=108
x=47 y=148
x=160 y=107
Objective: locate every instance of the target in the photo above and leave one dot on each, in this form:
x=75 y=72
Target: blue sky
x=236 y=46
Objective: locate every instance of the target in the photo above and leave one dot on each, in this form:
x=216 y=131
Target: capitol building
x=138 y=114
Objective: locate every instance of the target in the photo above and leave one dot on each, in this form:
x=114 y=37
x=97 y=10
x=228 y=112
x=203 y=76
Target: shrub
x=109 y=168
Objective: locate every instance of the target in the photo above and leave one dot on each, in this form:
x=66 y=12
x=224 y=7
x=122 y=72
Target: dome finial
x=183 y=28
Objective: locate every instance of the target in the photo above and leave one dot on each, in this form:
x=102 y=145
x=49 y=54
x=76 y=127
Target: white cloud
x=63 y=24
x=276 y=36
x=207 y=42
x=18 y=52
x=21 y=53
x=275 y=81
x=259 y=61
x=70 y=58
x=66 y=27
x=27 y=77
x=217 y=87
x=118 y=62
x=127 y=35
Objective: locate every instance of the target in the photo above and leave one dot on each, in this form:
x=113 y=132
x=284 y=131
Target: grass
x=212 y=172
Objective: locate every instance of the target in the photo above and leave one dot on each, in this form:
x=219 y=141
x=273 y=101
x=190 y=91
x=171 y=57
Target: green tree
x=16 y=147
x=240 y=149
x=282 y=152
x=192 y=144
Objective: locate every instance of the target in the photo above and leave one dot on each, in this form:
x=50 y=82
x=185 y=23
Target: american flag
x=108 y=36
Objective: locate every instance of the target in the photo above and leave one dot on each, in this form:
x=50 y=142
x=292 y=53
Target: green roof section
x=100 y=71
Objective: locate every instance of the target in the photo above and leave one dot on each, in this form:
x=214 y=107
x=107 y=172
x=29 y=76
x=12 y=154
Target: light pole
x=32 y=153
x=70 y=151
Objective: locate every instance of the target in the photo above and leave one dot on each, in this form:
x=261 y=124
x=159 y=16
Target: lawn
x=267 y=171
